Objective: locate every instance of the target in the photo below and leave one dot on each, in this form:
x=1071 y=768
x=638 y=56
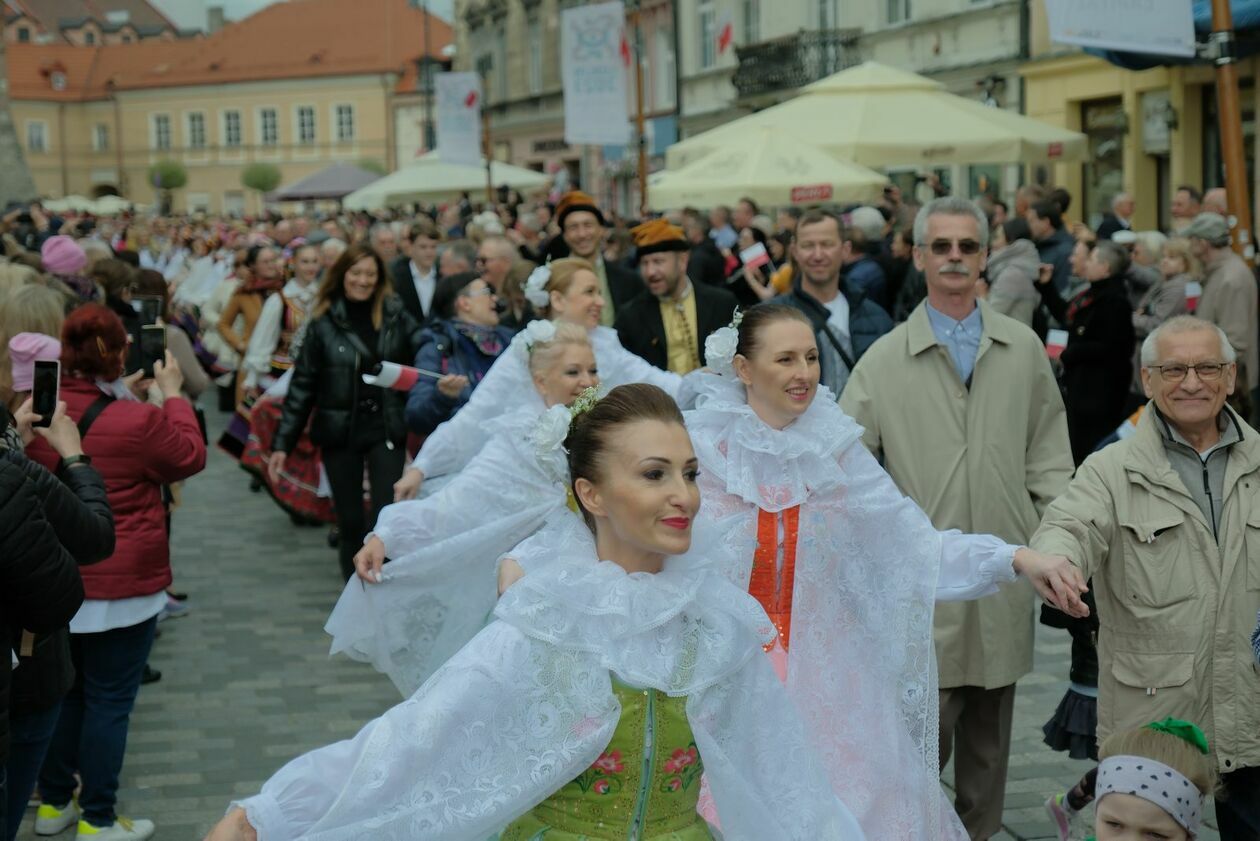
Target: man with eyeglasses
x=495 y=257
x=1167 y=524
x=960 y=404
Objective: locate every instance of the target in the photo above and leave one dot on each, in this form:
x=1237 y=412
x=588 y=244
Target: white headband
x=1154 y=781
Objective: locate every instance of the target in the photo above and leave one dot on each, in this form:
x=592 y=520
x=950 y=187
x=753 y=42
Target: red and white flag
x=725 y=32
x=398 y=377
x=1056 y=341
x=1194 y=291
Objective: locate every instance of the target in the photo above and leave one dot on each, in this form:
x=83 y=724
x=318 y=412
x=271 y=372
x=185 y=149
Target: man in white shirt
x=414 y=274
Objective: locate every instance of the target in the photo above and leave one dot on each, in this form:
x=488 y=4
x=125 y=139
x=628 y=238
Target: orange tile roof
x=290 y=40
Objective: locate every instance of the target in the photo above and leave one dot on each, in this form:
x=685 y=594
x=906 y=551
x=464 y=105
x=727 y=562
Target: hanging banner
x=458 y=113
x=595 y=57
x=1162 y=27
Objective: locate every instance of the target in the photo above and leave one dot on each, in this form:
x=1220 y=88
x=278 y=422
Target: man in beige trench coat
x=960 y=404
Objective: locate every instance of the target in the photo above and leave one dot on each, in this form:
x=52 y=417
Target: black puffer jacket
x=40 y=588
x=327 y=378
x=78 y=510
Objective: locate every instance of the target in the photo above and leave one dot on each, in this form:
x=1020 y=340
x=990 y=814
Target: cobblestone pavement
x=247 y=683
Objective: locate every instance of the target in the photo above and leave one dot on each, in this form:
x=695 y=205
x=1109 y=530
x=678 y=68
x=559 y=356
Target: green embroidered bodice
x=644 y=786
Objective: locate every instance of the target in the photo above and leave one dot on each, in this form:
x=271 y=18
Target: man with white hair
x=1120 y=218
x=384 y=241
x=1167 y=524
x=961 y=406
x=1216 y=200
x=330 y=250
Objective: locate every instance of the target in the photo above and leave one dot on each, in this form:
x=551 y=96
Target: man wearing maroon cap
x=583 y=229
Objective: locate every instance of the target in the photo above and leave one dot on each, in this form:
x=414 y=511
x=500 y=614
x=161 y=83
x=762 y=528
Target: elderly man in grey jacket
x=1167 y=523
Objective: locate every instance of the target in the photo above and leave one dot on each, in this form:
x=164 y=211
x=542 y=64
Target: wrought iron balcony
x=790 y=61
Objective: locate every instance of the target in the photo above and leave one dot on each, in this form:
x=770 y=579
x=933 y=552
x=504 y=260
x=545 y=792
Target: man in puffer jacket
x=40 y=588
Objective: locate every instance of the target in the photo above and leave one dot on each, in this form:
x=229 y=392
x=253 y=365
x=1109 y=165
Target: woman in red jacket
x=137 y=447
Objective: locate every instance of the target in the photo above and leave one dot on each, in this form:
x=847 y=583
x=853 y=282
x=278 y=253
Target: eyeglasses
x=1176 y=372
x=942 y=247
x=477 y=293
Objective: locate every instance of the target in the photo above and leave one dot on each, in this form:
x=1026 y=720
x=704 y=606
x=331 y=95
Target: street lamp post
x=1223 y=44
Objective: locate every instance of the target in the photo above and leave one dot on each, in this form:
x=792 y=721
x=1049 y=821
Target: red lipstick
x=679 y=523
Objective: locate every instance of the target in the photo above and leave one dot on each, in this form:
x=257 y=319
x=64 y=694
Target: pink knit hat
x=24 y=350
x=62 y=255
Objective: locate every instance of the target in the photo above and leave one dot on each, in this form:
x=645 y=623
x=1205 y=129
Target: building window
x=752 y=21
x=232 y=128
x=708 y=35
x=535 y=40
x=126 y=39
x=269 y=127
x=898 y=10
x=36 y=136
x=345 y=123
x=161 y=131
x=89 y=38
x=100 y=138
x=24 y=35
x=1104 y=124
x=58 y=80
x=663 y=77
x=197 y=130
x=306 y=124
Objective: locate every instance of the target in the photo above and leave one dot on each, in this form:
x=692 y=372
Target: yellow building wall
x=71 y=164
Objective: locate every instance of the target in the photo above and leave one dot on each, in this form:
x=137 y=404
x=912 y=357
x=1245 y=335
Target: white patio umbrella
x=879 y=116
x=759 y=164
x=432 y=179
x=70 y=202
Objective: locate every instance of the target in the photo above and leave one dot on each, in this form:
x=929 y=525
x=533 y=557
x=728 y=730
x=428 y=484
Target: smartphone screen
x=149 y=307
x=152 y=346
x=44 y=389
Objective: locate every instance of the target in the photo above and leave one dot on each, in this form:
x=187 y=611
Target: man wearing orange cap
x=668 y=322
x=583 y=229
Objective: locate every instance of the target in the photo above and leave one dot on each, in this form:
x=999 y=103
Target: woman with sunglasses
x=461 y=344
x=1098 y=360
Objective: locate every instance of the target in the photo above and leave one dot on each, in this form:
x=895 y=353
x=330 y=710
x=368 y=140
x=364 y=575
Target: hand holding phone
x=152 y=347
x=44 y=391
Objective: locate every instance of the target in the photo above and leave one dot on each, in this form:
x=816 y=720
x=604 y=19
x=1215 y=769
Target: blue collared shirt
x=960 y=338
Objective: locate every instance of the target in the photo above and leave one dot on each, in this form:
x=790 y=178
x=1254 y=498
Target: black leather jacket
x=327 y=378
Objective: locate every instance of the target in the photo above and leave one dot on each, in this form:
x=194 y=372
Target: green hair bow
x=1183 y=730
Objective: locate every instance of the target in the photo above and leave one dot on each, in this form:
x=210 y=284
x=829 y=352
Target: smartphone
x=152 y=347
x=44 y=390
x=149 y=307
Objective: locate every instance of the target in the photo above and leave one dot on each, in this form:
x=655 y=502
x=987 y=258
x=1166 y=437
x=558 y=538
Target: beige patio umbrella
x=430 y=178
x=879 y=116
x=759 y=164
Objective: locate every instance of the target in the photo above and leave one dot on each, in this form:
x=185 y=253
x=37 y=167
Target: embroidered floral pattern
x=682 y=769
x=604 y=775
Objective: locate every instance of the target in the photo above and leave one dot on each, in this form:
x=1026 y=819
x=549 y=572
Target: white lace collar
x=680 y=631
x=771 y=468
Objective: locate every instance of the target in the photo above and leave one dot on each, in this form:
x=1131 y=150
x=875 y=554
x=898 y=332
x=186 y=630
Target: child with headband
x=1153 y=782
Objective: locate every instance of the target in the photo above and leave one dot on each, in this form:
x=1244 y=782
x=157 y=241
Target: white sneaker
x=49 y=820
x=121 y=829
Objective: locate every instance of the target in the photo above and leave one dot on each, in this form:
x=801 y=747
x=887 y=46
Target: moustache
x=956 y=268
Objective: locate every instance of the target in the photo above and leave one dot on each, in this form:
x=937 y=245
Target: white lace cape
x=507 y=386
x=528 y=705
x=869 y=566
x=440 y=585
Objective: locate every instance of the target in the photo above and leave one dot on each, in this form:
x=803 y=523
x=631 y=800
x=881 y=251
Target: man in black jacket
x=705 y=263
x=668 y=323
x=584 y=230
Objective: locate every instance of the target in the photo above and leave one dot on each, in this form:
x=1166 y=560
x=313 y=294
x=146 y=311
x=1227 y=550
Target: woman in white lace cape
x=869 y=565
x=528 y=705
x=408 y=617
x=564 y=290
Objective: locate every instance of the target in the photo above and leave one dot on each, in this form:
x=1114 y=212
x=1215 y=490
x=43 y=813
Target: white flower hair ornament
x=536 y=287
x=536 y=332
x=719 y=347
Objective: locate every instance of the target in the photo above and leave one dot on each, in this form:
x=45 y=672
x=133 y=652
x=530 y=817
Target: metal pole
x=1228 y=106
x=638 y=116
x=426 y=67
x=485 y=136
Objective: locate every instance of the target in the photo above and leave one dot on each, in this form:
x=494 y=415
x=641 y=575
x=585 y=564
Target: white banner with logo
x=594 y=56
x=458 y=107
x=1162 y=27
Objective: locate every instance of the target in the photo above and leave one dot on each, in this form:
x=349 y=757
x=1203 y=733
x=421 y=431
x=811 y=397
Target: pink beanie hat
x=62 y=255
x=24 y=350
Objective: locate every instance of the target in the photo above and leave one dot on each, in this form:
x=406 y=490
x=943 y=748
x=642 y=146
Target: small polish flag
x=1194 y=291
x=470 y=101
x=1056 y=341
x=625 y=50
x=726 y=33
x=398 y=377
